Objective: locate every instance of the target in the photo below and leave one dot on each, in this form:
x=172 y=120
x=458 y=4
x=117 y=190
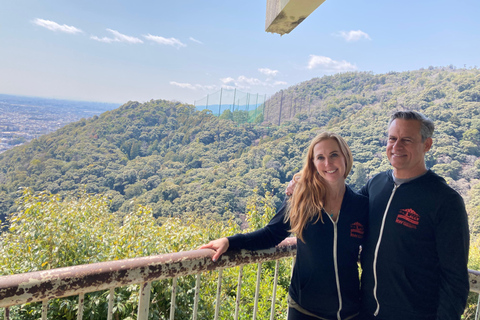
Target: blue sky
x=116 y=51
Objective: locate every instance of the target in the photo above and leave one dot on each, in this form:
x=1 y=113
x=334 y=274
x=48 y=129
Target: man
x=415 y=256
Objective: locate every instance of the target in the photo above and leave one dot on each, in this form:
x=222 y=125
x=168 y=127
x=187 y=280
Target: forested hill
x=179 y=160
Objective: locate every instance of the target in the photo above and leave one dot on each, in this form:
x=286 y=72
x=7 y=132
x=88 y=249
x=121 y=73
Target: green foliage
x=359 y=176
x=53 y=232
x=179 y=160
x=183 y=163
x=259 y=118
x=227 y=115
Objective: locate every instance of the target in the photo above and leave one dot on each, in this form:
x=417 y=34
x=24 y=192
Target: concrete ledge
x=284 y=15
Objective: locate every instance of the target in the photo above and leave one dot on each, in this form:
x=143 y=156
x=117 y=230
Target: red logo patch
x=409 y=218
x=356 y=230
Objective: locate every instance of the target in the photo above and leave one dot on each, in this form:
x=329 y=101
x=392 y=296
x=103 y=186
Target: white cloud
x=268 y=72
x=104 y=39
x=354 y=35
x=53 y=26
x=117 y=37
x=165 y=41
x=227 y=80
x=329 y=65
x=195 y=40
x=183 y=85
x=193 y=86
x=243 y=82
x=124 y=38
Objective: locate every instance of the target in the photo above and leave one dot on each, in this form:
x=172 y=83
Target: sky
x=119 y=51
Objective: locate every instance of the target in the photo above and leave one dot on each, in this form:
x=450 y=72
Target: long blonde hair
x=310 y=191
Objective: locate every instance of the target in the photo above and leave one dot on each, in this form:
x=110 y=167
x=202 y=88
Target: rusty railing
x=41 y=286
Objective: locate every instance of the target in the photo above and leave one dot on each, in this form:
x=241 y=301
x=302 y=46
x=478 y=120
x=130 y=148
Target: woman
x=328 y=219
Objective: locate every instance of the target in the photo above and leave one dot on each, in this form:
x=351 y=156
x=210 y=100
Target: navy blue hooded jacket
x=330 y=249
x=415 y=257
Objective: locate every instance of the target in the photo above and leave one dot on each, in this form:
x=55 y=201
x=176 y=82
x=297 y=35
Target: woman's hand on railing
x=219 y=245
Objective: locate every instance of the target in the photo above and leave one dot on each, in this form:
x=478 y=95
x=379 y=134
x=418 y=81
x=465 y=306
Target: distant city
x=25 y=118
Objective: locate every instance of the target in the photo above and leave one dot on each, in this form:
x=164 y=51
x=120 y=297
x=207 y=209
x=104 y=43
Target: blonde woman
x=328 y=219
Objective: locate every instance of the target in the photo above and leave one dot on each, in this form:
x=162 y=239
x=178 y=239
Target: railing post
x=478 y=307
x=144 y=301
x=274 y=293
x=197 y=295
x=257 y=290
x=172 y=299
x=111 y=296
x=219 y=290
x=81 y=300
x=239 y=289
x=44 y=309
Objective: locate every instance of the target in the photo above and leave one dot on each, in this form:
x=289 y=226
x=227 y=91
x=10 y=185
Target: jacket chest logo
x=356 y=230
x=409 y=218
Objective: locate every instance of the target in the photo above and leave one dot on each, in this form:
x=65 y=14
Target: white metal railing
x=41 y=286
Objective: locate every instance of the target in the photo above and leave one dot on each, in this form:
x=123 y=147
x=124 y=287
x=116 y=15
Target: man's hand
x=220 y=246
x=291 y=185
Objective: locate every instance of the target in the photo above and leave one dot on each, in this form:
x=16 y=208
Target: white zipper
x=335 y=264
x=378 y=247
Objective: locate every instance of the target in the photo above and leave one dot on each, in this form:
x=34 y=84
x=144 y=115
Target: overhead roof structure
x=285 y=15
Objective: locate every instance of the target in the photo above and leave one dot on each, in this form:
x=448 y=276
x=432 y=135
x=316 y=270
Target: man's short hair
x=427 y=126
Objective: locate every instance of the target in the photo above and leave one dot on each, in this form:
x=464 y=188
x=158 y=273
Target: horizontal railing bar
x=69 y=281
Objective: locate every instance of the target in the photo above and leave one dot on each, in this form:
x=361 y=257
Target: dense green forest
x=179 y=160
x=161 y=176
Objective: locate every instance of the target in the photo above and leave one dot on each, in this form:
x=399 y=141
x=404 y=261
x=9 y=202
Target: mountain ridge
x=180 y=160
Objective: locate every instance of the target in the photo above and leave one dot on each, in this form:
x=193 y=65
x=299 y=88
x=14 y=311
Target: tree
x=359 y=177
x=226 y=115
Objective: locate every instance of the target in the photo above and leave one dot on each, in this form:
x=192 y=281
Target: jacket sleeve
x=364 y=190
x=267 y=237
x=452 y=239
